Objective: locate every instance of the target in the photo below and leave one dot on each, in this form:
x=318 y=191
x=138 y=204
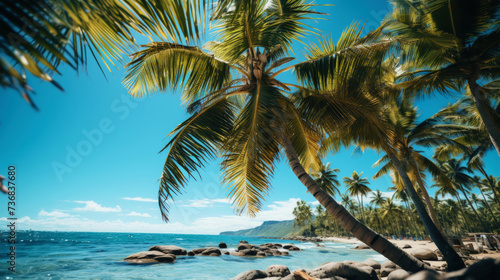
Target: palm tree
x=477 y=182
x=327 y=179
x=378 y=198
x=243 y=113
x=449 y=43
x=302 y=213
x=459 y=177
x=370 y=129
x=390 y=211
x=357 y=186
x=55 y=32
x=410 y=135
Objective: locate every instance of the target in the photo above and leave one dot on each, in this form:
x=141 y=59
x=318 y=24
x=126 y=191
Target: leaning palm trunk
x=483 y=109
x=474 y=210
x=464 y=214
x=346 y=220
x=488 y=206
x=449 y=254
x=428 y=202
x=490 y=183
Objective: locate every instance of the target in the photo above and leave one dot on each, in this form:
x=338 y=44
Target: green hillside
x=268 y=228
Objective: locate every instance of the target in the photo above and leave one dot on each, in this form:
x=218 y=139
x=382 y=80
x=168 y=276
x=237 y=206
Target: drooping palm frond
x=193 y=143
x=167 y=65
x=251 y=150
x=37 y=36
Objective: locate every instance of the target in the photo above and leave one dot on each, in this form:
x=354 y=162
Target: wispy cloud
x=200 y=203
x=140 y=199
x=55 y=214
x=135 y=214
x=93 y=206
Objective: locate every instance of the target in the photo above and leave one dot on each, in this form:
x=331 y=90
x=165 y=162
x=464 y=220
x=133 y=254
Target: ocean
x=99 y=255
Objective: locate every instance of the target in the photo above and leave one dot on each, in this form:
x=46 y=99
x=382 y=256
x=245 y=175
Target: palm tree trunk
x=474 y=209
x=467 y=223
x=484 y=110
x=427 y=199
x=449 y=254
x=359 y=230
x=490 y=182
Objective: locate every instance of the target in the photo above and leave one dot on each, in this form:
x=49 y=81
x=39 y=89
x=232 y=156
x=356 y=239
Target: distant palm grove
x=458 y=213
x=358 y=90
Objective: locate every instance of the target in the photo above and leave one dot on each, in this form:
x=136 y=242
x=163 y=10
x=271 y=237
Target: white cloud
x=133 y=213
x=96 y=207
x=55 y=214
x=201 y=203
x=140 y=199
x=277 y=211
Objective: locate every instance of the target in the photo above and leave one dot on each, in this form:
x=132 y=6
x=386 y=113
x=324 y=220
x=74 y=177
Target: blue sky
x=88 y=161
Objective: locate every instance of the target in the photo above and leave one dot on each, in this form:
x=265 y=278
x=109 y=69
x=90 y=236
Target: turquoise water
x=94 y=255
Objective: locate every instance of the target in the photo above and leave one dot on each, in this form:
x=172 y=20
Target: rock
x=424 y=275
x=222 y=245
x=373 y=263
x=387 y=267
x=398 y=274
x=291 y=247
x=424 y=254
x=250 y=275
x=224 y=252
x=348 y=271
x=320 y=245
x=169 y=249
x=274 y=252
x=150 y=257
x=277 y=270
x=278 y=245
x=406 y=246
x=238 y=254
x=208 y=251
x=284 y=253
x=485 y=269
x=261 y=254
x=361 y=247
x=243 y=246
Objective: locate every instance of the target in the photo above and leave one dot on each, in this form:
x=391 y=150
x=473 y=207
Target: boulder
x=243 y=246
x=398 y=274
x=424 y=275
x=278 y=245
x=423 y=254
x=387 y=267
x=224 y=252
x=169 y=249
x=291 y=247
x=485 y=269
x=345 y=270
x=284 y=253
x=406 y=246
x=261 y=254
x=277 y=271
x=150 y=257
x=208 y=251
x=362 y=247
x=251 y=275
x=249 y=252
x=373 y=263
x=222 y=245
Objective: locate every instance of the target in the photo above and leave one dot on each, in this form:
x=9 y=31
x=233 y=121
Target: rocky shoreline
x=169 y=253
x=372 y=270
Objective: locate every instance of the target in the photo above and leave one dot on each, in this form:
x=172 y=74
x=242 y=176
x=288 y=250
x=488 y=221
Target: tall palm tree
x=243 y=113
x=39 y=35
x=449 y=43
x=327 y=179
x=459 y=177
x=477 y=182
x=370 y=129
x=357 y=186
x=409 y=136
x=302 y=213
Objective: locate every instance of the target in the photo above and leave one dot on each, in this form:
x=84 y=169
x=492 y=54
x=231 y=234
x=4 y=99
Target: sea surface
x=99 y=255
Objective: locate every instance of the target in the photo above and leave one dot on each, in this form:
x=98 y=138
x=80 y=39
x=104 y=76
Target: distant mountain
x=268 y=228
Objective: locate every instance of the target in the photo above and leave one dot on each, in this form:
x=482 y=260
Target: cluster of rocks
x=372 y=270
x=157 y=254
x=422 y=254
x=268 y=249
x=169 y=253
